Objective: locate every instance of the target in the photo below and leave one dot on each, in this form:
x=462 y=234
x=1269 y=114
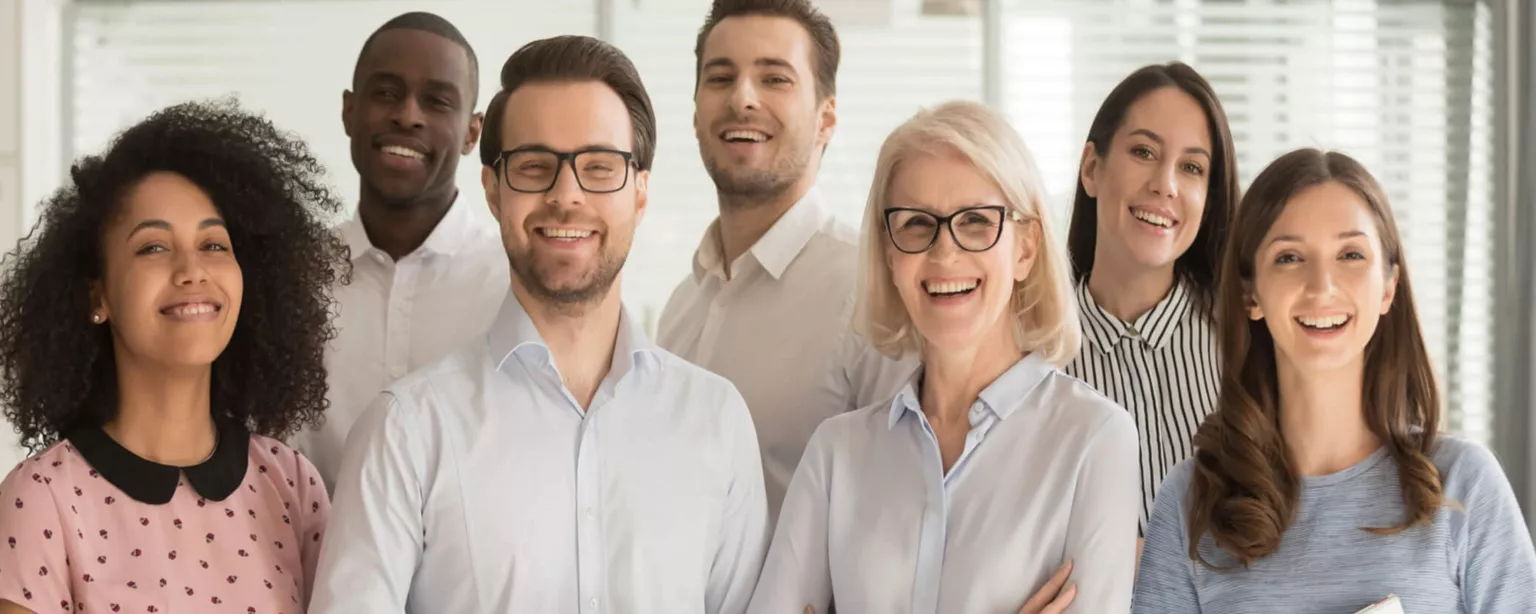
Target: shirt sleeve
x=1101 y=537
x=744 y=527
x=1498 y=570
x=797 y=572
x=34 y=571
x=1166 y=579
x=314 y=515
x=374 y=542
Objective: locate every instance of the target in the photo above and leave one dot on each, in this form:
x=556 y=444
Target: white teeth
x=745 y=135
x=1152 y=218
x=950 y=287
x=192 y=309
x=403 y=152
x=1323 y=322
x=565 y=233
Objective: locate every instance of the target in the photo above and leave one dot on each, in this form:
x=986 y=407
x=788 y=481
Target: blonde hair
x=1044 y=312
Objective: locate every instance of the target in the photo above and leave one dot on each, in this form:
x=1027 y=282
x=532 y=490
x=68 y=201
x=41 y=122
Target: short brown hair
x=1246 y=489
x=828 y=50
x=573 y=59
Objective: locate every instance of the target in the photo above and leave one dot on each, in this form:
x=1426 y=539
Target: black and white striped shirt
x=1163 y=368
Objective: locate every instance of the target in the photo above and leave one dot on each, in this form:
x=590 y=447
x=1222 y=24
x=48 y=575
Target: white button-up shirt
x=478 y=484
x=780 y=328
x=1048 y=473
x=396 y=317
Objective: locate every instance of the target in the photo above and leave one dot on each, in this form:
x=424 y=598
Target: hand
x=1052 y=598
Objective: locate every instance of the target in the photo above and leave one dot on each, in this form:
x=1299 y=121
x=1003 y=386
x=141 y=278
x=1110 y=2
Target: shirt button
x=589 y=513
x=593 y=602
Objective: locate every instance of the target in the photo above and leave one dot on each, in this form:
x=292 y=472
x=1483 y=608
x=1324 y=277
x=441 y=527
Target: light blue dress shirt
x=1048 y=473
x=479 y=485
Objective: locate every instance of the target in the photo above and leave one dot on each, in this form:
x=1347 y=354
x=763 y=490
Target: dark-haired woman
x=1156 y=188
x=1321 y=483
x=160 y=332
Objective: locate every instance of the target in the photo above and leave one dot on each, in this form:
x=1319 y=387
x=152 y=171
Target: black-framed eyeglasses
x=974 y=229
x=535 y=170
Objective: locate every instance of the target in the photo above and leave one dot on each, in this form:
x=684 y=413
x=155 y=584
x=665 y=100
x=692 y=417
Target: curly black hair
x=57 y=371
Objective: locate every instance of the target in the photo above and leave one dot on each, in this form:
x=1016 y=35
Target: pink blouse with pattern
x=72 y=542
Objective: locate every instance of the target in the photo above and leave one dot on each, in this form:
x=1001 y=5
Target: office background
x=1434 y=96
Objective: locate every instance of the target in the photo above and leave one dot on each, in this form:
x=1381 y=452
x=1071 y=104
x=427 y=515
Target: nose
x=1164 y=182
x=1320 y=281
x=945 y=248
x=567 y=190
x=189 y=269
x=407 y=114
x=743 y=97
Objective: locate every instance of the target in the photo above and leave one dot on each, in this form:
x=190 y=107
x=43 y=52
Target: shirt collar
x=514 y=332
x=150 y=482
x=1002 y=397
x=777 y=248
x=1154 y=329
x=445 y=239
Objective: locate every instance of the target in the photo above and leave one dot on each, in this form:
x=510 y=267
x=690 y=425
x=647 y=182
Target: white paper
x=1390 y=605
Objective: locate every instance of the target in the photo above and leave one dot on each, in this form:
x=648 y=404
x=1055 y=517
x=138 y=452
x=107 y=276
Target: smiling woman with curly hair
x=160 y=331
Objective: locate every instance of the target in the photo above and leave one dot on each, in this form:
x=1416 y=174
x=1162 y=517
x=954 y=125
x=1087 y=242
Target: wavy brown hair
x=1245 y=484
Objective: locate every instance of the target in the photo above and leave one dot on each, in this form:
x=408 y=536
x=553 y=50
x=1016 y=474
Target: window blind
x=1404 y=86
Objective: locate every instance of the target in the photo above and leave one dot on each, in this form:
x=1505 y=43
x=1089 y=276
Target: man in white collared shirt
x=427 y=272
x=769 y=303
x=562 y=463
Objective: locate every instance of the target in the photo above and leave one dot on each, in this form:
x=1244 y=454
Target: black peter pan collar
x=150 y=482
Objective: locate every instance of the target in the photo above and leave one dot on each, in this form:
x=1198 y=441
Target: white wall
x=31 y=161
x=10 y=158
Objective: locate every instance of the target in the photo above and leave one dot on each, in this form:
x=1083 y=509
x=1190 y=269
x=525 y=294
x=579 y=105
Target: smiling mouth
x=403 y=152
x=192 y=309
x=951 y=288
x=1324 y=323
x=1152 y=218
x=744 y=136
x=565 y=234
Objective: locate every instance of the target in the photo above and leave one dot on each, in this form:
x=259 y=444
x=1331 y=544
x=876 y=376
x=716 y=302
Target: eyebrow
x=546 y=148
x=1348 y=234
x=160 y=224
x=396 y=79
x=1159 y=140
x=766 y=62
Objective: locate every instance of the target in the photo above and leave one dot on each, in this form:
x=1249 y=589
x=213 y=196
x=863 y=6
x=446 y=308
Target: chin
x=949 y=334
x=191 y=358
x=1325 y=361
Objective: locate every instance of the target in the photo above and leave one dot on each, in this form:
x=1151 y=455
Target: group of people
x=1209 y=401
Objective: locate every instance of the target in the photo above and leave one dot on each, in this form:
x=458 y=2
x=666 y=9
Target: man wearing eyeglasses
x=770 y=299
x=563 y=463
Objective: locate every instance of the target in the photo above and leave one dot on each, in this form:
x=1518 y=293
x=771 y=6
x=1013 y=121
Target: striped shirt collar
x=1153 y=329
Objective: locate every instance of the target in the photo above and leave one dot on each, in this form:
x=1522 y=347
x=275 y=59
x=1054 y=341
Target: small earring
x=96 y=318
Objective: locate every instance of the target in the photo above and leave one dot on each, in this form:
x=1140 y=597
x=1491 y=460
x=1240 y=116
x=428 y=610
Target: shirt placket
x=719 y=309
x=931 y=536
x=591 y=579
x=397 y=319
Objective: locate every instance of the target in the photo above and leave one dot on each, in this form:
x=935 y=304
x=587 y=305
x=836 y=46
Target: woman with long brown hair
x=1157 y=186
x=1322 y=483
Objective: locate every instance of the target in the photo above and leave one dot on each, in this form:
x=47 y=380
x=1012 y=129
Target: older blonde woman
x=991 y=468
